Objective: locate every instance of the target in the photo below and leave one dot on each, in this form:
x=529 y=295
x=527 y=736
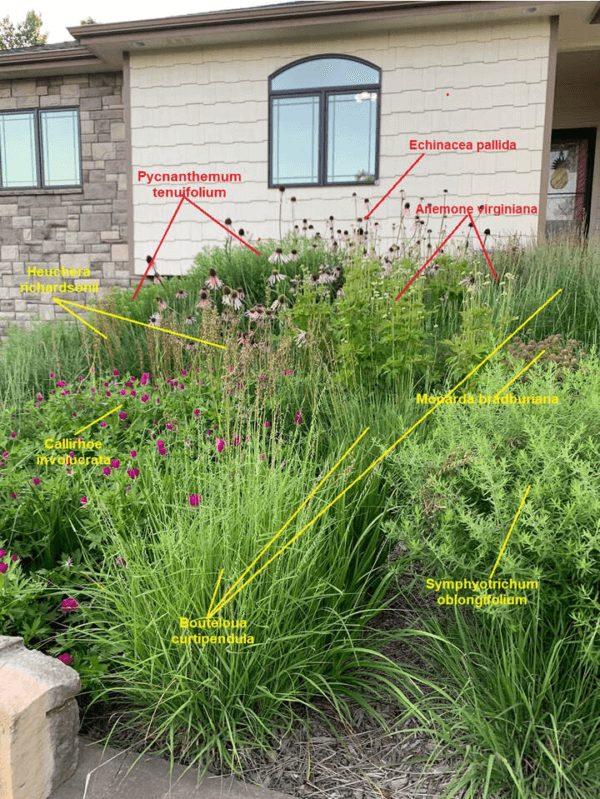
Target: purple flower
x=157 y=401
x=169 y=426
x=115 y=463
x=14 y=557
x=2 y=553
x=69 y=605
x=133 y=453
x=13 y=435
x=51 y=374
x=102 y=424
x=162 y=450
x=262 y=456
x=80 y=378
x=60 y=384
x=123 y=392
x=3 y=568
x=183 y=372
x=298 y=419
x=267 y=425
x=66 y=658
x=209 y=432
x=197 y=412
x=144 y=378
x=160 y=443
x=5 y=455
x=106 y=470
x=39 y=397
x=220 y=444
x=13 y=495
x=107 y=393
x=194 y=500
x=133 y=393
x=116 y=372
x=122 y=415
x=133 y=473
x=36 y=481
x=145 y=397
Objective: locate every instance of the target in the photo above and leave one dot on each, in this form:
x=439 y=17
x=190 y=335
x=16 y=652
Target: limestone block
x=119 y=252
x=39 y=721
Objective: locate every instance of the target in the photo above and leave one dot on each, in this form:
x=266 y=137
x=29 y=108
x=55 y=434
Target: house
x=103 y=137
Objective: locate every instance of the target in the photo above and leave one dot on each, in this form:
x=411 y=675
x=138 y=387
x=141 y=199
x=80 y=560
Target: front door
x=570 y=181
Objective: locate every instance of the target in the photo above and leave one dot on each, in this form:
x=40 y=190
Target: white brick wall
x=206 y=108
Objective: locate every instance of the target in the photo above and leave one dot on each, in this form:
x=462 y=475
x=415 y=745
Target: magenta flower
x=267 y=425
x=122 y=415
x=220 y=444
x=106 y=470
x=51 y=374
x=115 y=463
x=145 y=397
x=107 y=393
x=262 y=456
x=162 y=450
x=209 y=432
x=160 y=443
x=66 y=659
x=157 y=401
x=298 y=418
x=80 y=378
x=133 y=393
x=13 y=495
x=197 y=412
x=105 y=384
x=133 y=473
x=133 y=453
x=288 y=372
x=36 y=481
x=194 y=500
x=123 y=392
x=13 y=435
x=60 y=384
x=3 y=568
x=2 y=553
x=39 y=397
x=183 y=372
x=169 y=426
x=144 y=378
x=5 y=455
x=14 y=557
x=83 y=500
x=116 y=372
x=102 y=424
x=69 y=605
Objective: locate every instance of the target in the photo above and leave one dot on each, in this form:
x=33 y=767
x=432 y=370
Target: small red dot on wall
x=447 y=94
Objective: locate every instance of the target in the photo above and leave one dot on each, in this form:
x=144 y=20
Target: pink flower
x=133 y=393
x=267 y=425
x=116 y=372
x=51 y=374
x=122 y=415
x=220 y=444
x=13 y=495
x=262 y=456
x=288 y=372
x=184 y=373
x=133 y=453
x=115 y=463
x=36 y=481
x=169 y=426
x=194 y=500
x=105 y=384
x=14 y=557
x=39 y=397
x=162 y=450
x=123 y=392
x=106 y=470
x=133 y=473
x=3 y=568
x=66 y=658
x=145 y=397
x=83 y=500
x=2 y=553
x=298 y=419
x=197 y=412
x=80 y=378
x=13 y=435
x=209 y=432
x=102 y=424
x=69 y=605
x=157 y=401
x=144 y=378
x=5 y=455
x=160 y=443
x=107 y=393
x=60 y=384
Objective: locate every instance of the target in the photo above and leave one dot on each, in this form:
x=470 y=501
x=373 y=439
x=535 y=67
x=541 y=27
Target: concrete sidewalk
x=106 y=775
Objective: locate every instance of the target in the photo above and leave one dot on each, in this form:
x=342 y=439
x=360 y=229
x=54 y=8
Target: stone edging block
x=39 y=721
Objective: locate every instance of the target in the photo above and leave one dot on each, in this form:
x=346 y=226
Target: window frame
x=38 y=143
x=323 y=93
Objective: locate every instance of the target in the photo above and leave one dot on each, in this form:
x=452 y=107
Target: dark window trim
x=589 y=134
x=37 y=136
x=322 y=93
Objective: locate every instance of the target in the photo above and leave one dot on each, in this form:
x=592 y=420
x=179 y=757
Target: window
x=40 y=149
x=324 y=122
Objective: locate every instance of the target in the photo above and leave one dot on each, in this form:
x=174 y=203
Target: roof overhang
x=102 y=47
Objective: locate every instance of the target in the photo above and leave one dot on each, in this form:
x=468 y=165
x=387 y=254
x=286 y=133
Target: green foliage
x=23 y=34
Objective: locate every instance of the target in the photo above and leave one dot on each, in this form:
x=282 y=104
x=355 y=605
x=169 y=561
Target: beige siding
x=207 y=109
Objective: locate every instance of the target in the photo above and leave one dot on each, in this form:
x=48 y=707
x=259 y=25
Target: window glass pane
x=319 y=73
x=17 y=151
x=351 y=129
x=295 y=140
x=60 y=146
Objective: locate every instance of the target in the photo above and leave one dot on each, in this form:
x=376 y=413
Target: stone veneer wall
x=74 y=228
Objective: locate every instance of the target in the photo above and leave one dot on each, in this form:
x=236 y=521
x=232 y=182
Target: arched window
x=324 y=122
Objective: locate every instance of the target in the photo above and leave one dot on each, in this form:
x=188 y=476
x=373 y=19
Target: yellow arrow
x=99 y=419
x=62 y=304
x=228 y=599
x=510 y=531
